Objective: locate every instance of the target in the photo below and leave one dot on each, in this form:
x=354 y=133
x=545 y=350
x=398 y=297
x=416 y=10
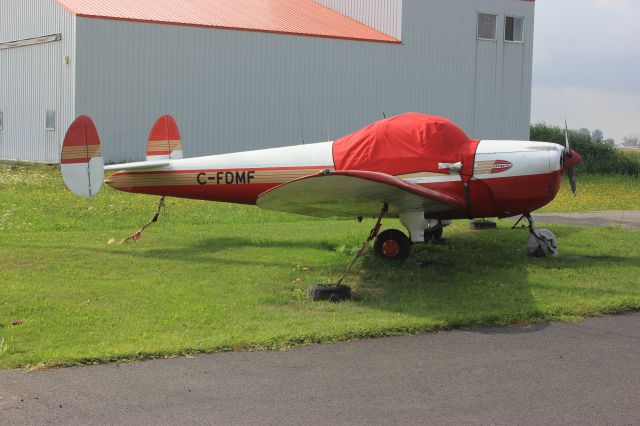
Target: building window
x=50 y=124
x=487 y=26
x=514 y=29
x=1 y=120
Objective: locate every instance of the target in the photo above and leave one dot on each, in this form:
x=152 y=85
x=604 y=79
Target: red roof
x=295 y=17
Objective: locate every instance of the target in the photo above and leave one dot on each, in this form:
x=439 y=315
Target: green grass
x=631 y=153
x=212 y=277
x=598 y=192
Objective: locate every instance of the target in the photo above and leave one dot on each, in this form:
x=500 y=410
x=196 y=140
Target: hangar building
x=248 y=74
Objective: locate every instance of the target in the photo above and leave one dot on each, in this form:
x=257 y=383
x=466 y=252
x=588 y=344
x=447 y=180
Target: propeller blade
x=572 y=180
x=567 y=141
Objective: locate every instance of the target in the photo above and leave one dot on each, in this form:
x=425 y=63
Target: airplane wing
x=353 y=194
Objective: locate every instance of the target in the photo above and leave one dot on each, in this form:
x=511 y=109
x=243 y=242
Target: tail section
x=81 y=159
x=164 y=141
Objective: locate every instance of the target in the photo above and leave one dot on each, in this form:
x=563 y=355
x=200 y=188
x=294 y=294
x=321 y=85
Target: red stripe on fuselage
x=238 y=194
x=238 y=169
x=495 y=197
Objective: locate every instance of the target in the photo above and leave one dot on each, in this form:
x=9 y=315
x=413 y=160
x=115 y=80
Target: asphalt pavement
x=624 y=219
x=585 y=373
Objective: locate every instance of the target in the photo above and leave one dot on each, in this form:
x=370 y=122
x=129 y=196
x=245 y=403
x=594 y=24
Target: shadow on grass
x=465 y=283
x=484 y=280
x=205 y=251
x=477 y=279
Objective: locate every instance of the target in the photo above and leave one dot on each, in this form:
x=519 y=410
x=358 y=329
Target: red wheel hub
x=391 y=248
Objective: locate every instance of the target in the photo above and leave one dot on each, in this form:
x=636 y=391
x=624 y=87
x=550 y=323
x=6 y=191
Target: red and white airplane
x=419 y=168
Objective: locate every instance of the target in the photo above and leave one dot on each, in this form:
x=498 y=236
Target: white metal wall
x=233 y=90
x=33 y=79
x=383 y=15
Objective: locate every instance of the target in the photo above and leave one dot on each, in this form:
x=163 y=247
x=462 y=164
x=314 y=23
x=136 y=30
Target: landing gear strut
x=434 y=235
x=541 y=242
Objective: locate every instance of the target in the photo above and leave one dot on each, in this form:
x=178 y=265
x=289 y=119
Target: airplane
x=422 y=169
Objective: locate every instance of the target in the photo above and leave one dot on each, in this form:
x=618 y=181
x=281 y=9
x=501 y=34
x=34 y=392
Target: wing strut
x=372 y=236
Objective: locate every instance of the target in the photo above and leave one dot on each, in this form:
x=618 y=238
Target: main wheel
x=392 y=245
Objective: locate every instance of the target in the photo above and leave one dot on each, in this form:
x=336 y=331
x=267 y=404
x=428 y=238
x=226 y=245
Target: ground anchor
x=340 y=292
x=333 y=293
x=478 y=224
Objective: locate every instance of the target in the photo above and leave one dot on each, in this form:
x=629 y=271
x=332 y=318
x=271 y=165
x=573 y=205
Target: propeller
x=567 y=141
x=569 y=162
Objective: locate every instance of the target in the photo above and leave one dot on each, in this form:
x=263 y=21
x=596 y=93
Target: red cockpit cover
x=408 y=143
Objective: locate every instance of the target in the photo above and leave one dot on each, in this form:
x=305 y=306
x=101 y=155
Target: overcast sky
x=587 y=65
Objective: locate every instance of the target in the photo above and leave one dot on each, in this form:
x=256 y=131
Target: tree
x=585 y=132
x=610 y=142
x=597 y=135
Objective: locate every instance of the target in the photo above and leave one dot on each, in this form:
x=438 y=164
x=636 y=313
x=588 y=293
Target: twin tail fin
x=164 y=142
x=81 y=159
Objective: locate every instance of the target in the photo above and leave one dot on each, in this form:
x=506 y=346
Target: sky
x=587 y=65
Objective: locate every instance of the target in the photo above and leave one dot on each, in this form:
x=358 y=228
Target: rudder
x=81 y=159
x=164 y=142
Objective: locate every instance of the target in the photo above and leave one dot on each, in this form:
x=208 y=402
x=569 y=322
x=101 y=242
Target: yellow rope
x=137 y=235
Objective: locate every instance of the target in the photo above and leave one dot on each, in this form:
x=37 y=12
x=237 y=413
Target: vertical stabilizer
x=164 y=140
x=81 y=159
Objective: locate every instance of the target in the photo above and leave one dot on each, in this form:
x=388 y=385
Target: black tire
x=333 y=293
x=434 y=235
x=392 y=245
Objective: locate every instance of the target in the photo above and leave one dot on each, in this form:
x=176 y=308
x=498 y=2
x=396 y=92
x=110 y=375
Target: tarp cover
x=408 y=143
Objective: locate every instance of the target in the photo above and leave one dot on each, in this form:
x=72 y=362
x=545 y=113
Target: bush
x=598 y=157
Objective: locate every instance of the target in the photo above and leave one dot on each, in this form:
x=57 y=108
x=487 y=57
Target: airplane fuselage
x=508 y=177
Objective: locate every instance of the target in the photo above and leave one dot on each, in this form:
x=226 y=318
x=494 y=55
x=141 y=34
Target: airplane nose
x=573 y=160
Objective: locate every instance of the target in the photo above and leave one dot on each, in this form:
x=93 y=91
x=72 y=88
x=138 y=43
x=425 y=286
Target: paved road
x=564 y=373
x=626 y=219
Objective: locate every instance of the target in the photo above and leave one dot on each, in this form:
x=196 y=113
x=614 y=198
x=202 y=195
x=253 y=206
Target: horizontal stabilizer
x=355 y=193
x=81 y=158
x=141 y=165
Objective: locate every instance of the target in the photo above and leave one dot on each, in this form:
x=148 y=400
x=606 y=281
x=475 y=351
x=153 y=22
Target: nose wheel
x=541 y=242
x=392 y=244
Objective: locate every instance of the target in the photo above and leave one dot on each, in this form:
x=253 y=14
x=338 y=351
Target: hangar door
x=30 y=79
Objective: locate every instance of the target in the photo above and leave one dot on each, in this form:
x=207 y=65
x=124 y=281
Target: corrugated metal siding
x=503 y=72
x=383 y=15
x=33 y=79
x=232 y=91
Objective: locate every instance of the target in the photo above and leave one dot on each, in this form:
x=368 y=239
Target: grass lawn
x=596 y=192
x=213 y=277
x=633 y=153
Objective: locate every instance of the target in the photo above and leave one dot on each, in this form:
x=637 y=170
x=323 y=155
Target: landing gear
x=541 y=242
x=433 y=235
x=392 y=245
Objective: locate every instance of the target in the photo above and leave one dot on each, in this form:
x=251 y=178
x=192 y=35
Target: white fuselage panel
x=311 y=155
x=525 y=158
